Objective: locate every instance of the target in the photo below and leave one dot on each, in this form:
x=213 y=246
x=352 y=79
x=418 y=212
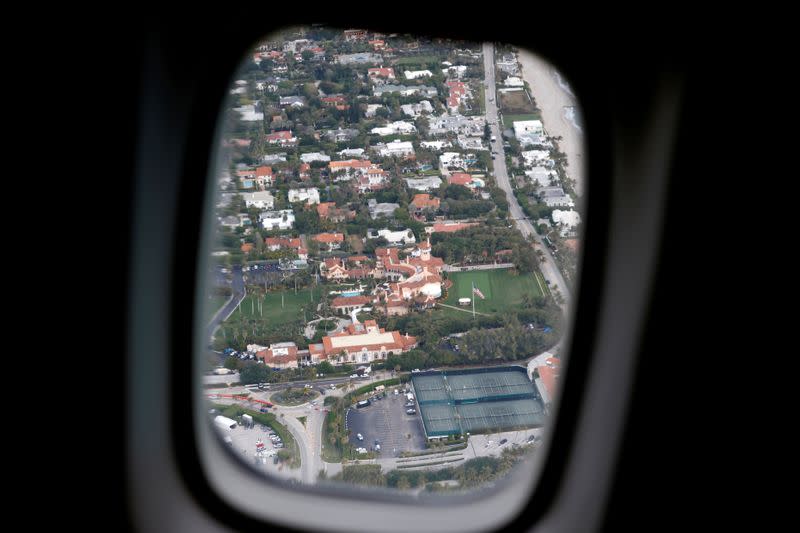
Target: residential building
x=314 y=156
x=435 y=145
x=554 y=197
x=249 y=113
x=450 y=227
x=341 y=135
x=372 y=108
x=355 y=35
x=361 y=343
x=310 y=195
x=395 y=148
x=405 y=90
x=424 y=184
x=424 y=201
x=292 y=101
x=333 y=241
x=414 y=110
x=361 y=58
x=568 y=220
x=399 y=127
x=283 y=138
x=383 y=209
x=414 y=74
x=403 y=236
x=260 y=199
x=279 y=355
x=385 y=73
x=513 y=81
x=345 y=305
x=274 y=244
x=542 y=176
x=352 y=152
x=329 y=211
x=283 y=219
x=535 y=157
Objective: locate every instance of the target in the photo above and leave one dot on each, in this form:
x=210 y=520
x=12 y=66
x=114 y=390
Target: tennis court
x=477 y=401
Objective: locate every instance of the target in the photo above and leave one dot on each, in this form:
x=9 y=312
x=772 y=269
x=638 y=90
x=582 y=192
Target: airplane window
x=393 y=246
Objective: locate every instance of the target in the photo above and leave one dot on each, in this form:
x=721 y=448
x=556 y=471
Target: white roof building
x=371 y=109
x=414 y=110
x=424 y=184
x=522 y=127
x=513 y=81
x=400 y=126
x=435 y=145
x=352 y=152
x=260 y=199
x=452 y=159
x=310 y=195
x=314 y=156
x=414 y=74
x=532 y=157
x=283 y=219
x=396 y=147
x=249 y=113
x=541 y=175
x=404 y=236
x=567 y=219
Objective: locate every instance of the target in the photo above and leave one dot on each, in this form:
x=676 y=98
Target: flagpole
x=473 y=300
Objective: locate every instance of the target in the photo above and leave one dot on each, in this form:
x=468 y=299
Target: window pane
x=395 y=240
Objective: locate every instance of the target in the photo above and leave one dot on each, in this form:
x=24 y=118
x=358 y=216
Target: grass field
x=415 y=60
x=271 y=310
x=502 y=289
x=508 y=120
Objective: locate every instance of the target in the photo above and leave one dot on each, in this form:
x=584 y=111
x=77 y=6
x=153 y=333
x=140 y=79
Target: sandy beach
x=556 y=103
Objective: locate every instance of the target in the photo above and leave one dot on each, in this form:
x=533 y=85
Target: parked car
x=411 y=411
x=360 y=436
x=503 y=441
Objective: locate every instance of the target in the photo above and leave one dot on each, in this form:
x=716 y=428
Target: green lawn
x=271 y=310
x=508 y=120
x=415 y=60
x=502 y=289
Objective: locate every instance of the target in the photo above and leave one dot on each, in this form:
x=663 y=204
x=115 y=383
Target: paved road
x=237 y=296
x=548 y=264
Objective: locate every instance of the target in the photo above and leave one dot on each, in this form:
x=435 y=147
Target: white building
x=371 y=109
x=513 y=81
x=435 y=145
x=381 y=209
x=414 y=110
x=314 y=156
x=523 y=127
x=283 y=219
x=424 y=184
x=541 y=175
x=396 y=147
x=260 y=199
x=414 y=74
x=471 y=143
x=454 y=71
x=352 y=152
x=398 y=127
x=249 y=113
x=533 y=157
x=404 y=236
x=452 y=160
x=310 y=195
x=568 y=220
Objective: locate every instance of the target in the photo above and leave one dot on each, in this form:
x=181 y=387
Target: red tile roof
x=329 y=237
x=423 y=200
x=440 y=227
x=459 y=178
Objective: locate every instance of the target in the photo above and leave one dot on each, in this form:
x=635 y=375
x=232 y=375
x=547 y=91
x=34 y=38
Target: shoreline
x=557 y=104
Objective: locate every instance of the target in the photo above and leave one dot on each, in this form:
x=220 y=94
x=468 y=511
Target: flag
x=478 y=292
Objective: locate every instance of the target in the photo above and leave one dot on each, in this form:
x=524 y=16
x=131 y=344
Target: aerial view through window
x=396 y=241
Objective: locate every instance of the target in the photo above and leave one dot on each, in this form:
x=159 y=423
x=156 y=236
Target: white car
x=360 y=436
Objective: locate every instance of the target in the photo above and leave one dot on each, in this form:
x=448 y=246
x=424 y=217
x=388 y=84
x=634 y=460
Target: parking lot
x=386 y=420
x=243 y=442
